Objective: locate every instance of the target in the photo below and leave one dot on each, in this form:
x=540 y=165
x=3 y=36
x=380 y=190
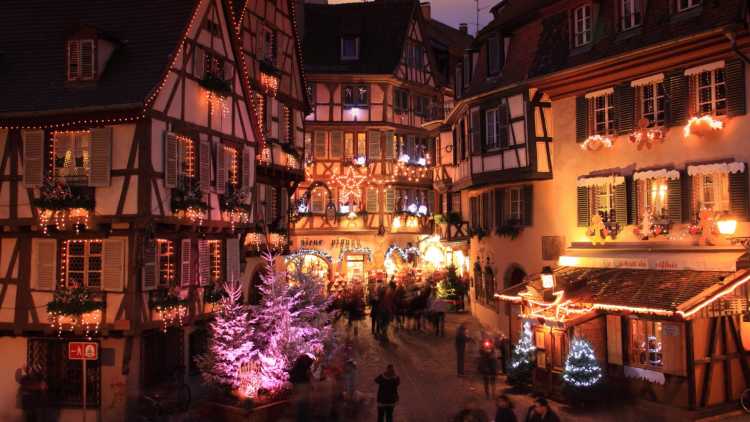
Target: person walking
x=541 y=412
x=387 y=398
x=504 y=409
x=462 y=338
x=488 y=367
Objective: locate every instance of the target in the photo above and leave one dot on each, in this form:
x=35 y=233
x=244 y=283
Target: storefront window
x=653 y=197
x=711 y=192
x=646 y=343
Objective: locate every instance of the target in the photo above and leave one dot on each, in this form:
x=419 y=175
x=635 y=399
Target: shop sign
x=726 y=262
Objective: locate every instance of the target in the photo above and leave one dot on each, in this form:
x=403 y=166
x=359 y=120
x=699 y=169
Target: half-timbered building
x=128 y=135
x=373 y=80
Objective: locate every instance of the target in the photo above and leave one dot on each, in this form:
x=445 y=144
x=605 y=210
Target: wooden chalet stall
x=126 y=182
x=664 y=325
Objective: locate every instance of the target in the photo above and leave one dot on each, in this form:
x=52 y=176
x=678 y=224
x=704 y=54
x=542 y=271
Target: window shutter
x=171 y=162
x=74 y=59
x=87 y=59
x=199 y=63
x=614 y=339
x=687 y=197
x=582 y=121
x=584 y=209
x=337 y=144
x=150 y=266
x=390 y=200
x=113 y=264
x=284 y=206
x=624 y=111
x=621 y=203
x=248 y=169
x=528 y=205
x=373 y=147
x=635 y=195
x=319 y=145
x=204 y=165
x=486 y=210
x=431 y=201
x=735 y=83
x=233 y=259
x=204 y=262
x=33 y=157
x=475 y=130
x=389 y=146
x=674 y=200
x=676 y=85
x=44 y=264
x=738 y=195
x=221 y=168
x=499 y=207
x=372 y=201
x=100 y=162
x=283 y=123
x=186 y=258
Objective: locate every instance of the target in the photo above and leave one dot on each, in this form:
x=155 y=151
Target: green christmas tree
x=582 y=374
x=522 y=359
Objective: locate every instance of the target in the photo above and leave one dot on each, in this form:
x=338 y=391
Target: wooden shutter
x=171 y=160
x=624 y=108
x=221 y=168
x=674 y=200
x=528 y=205
x=248 y=170
x=284 y=206
x=87 y=59
x=584 y=208
x=486 y=210
x=100 y=161
x=150 y=266
x=390 y=200
x=372 y=201
x=614 y=340
x=233 y=259
x=199 y=62
x=33 y=157
x=319 y=144
x=735 y=82
x=204 y=262
x=476 y=132
x=431 y=201
x=204 y=165
x=283 y=123
x=676 y=85
x=621 y=203
x=389 y=147
x=186 y=260
x=373 y=145
x=337 y=144
x=114 y=264
x=43 y=264
x=582 y=121
x=687 y=197
x=738 y=187
x=499 y=207
x=74 y=59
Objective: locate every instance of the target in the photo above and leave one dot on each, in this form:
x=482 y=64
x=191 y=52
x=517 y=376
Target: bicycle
x=745 y=400
x=168 y=399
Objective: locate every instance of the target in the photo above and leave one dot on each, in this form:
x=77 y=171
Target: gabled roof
x=32 y=53
x=380 y=25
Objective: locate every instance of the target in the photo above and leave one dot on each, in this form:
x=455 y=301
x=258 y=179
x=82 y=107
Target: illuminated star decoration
x=350 y=184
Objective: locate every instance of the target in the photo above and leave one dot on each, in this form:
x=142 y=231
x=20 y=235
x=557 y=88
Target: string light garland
x=582 y=371
x=702 y=126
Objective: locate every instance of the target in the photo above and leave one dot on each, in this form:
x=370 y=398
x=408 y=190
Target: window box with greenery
x=168 y=307
x=67 y=206
x=76 y=308
x=187 y=200
x=234 y=205
x=212 y=296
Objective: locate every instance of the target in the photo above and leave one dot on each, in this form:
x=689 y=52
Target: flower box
x=703 y=126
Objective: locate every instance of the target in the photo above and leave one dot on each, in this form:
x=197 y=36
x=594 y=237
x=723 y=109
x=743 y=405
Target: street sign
x=83 y=350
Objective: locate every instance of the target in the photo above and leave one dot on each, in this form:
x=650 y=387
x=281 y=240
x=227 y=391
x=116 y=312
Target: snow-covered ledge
x=657 y=174
x=704 y=169
x=587 y=182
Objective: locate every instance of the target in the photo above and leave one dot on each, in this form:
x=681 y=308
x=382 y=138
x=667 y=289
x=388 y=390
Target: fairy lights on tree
x=582 y=373
x=523 y=358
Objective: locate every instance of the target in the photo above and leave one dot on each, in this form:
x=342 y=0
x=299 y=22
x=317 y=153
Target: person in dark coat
x=488 y=367
x=461 y=339
x=504 y=409
x=301 y=376
x=541 y=412
x=388 y=383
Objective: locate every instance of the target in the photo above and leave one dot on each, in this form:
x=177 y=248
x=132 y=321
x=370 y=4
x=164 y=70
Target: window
x=349 y=48
x=494 y=54
x=361 y=144
x=401 y=100
x=712 y=92
x=62 y=375
x=652 y=195
x=81 y=60
x=269 y=46
x=603 y=114
x=216 y=267
x=514 y=202
x=630 y=11
x=166 y=262
x=420 y=105
x=355 y=96
x=603 y=200
x=186 y=159
x=496 y=127
x=646 y=343
x=582 y=25
x=349 y=146
x=415 y=56
x=83 y=263
x=490 y=119
x=233 y=166
x=652 y=103
x=683 y=5
x=711 y=191
x=71 y=151
x=318 y=201
x=455 y=202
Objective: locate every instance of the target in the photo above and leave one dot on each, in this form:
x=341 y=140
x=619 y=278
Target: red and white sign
x=82 y=350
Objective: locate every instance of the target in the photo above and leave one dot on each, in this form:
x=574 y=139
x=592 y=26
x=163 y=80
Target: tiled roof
x=33 y=48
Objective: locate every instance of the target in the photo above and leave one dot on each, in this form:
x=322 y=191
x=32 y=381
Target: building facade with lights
x=376 y=73
x=128 y=181
x=643 y=216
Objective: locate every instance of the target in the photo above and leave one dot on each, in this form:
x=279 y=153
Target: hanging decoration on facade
x=597 y=142
x=216 y=91
x=645 y=136
x=367 y=252
x=350 y=184
x=63 y=206
x=269 y=78
x=706 y=229
x=234 y=207
x=75 y=308
x=301 y=253
x=702 y=126
x=187 y=201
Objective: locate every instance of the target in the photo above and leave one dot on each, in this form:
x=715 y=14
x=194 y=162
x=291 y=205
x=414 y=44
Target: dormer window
x=81 y=60
x=631 y=15
x=349 y=48
x=495 y=54
x=683 y=5
x=582 y=25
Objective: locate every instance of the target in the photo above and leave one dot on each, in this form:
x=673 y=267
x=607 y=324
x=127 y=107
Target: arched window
x=514 y=274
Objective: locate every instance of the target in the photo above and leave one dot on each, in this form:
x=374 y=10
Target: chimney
x=463 y=27
x=426 y=10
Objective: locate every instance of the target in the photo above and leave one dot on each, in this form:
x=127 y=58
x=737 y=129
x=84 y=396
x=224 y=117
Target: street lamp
x=548 y=278
x=727 y=225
